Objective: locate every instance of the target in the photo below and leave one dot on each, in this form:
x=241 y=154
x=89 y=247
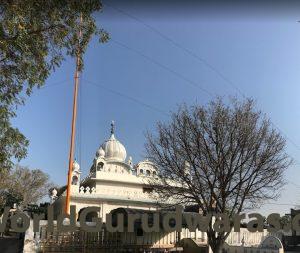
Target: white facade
x=113 y=182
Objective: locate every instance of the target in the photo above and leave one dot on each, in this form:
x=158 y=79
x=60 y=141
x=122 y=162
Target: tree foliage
x=224 y=158
x=35 y=36
x=23 y=187
x=13 y=143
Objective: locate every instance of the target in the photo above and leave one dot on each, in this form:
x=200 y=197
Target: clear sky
x=141 y=75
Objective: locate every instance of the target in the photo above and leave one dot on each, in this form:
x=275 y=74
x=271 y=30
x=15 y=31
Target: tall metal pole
x=73 y=125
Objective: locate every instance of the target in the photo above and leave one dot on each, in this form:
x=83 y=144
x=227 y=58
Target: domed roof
x=54 y=192
x=100 y=152
x=76 y=166
x=114 y=150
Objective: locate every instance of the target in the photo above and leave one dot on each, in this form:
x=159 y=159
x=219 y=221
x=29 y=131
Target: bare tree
x=24 y=186
x=224 y=158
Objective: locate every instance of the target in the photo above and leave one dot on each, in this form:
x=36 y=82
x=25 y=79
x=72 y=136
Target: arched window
x=74 y=180
x=100 y=166
x=141 y=171
x=154 y=173
x=148 y=173
x=89 y=216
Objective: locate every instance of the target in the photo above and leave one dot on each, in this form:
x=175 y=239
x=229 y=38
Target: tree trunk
x=217 y=248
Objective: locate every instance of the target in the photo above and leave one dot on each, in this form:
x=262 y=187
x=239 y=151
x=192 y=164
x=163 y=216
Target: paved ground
x=11 y=245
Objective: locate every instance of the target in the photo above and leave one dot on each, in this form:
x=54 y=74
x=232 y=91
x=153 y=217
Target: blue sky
x=259 y=55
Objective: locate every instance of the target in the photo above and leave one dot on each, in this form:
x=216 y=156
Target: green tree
x=13 y=143
x=35 y=36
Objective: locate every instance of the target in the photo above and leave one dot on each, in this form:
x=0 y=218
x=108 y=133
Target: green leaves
x=35 y=36
x=13 y=144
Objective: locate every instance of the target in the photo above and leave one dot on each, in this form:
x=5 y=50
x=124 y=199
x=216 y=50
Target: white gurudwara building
x=113 y=182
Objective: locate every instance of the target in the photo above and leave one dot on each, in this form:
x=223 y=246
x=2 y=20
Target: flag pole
x=73 y=124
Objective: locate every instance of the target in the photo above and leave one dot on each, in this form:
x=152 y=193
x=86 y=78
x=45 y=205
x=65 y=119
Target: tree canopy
x=23 y=187
x=35 y=36
x=224 y=158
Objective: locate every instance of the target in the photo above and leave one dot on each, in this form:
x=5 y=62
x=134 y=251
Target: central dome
x=114 y=149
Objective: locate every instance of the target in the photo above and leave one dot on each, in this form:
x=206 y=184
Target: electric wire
x=191 y=82
x=64 y=81
x=194 y=55
x=153 y=108
x=145 y=105
x=179 y=46
x=191 y=53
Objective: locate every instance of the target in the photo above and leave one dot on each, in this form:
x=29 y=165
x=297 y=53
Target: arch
x=271 y=242
x=74 y=180
x=148 y=173
x=100 y=166
x=89 y=216
x=141 y=171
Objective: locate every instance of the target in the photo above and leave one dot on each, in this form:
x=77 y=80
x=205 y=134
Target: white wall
x=241 y=249
x=250 y=238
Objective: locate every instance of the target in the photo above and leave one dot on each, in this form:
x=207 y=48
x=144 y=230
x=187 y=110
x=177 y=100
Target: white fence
x=246 y=238
x=243 y=249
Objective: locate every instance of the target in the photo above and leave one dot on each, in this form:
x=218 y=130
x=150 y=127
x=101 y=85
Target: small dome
x=114 y=149
x=100 y=152
x=54 y=192
x=76 y=166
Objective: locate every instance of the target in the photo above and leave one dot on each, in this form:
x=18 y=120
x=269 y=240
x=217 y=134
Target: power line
x=127 y=97
x=294 y=184
x=286 y=136
x=176 y=44
x=194 y=55
x=163 y=66
x=53 y=84
x=193 y=83
x=153 y=108
x=282 y=204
